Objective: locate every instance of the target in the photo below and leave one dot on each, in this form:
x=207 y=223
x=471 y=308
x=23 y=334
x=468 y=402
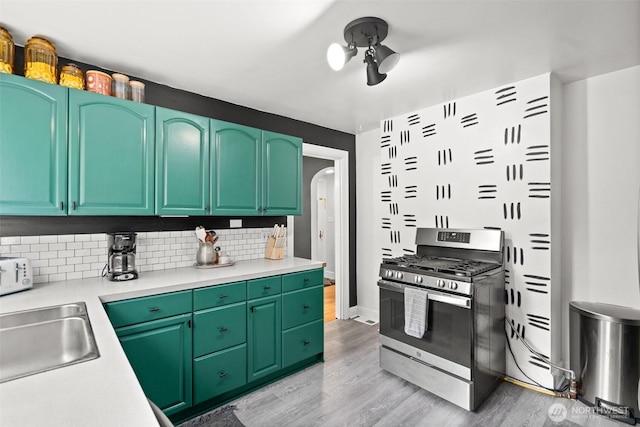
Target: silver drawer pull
x=154 y=309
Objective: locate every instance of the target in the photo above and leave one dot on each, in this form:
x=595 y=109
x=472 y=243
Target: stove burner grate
x=454 y=266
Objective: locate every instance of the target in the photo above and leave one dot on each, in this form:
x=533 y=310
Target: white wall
x=367 y=222
x=331 y=223
x=601 y=179
x=600 y=183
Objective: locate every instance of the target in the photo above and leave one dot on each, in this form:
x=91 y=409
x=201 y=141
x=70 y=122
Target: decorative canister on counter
x=41 y=60
x=98 y=82
x=120 y=88
x=71 y=76
x=137 y=91
x=7 y=51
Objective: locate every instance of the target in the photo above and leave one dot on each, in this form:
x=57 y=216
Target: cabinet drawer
x=219 y=373
x=129 y=312
x=302 y=306
x=219 y=295
x=264 y=287
x=301 y=280
x=219 y=328
x=302 y=342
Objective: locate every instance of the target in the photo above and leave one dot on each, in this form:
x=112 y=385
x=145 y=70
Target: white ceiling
x=271 y=55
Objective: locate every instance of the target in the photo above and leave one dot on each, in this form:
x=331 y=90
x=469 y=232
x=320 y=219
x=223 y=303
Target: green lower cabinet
x=219 y=328
x=219 y=373
x=160 y=354
x=302 y=306
x=302 y=342
x=264 y=352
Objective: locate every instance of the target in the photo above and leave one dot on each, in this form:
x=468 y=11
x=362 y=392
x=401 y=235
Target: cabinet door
x=219 y=373
x=236 y=166
x=264 y=338
x=218 y=328
x=182 y=163
x=33 y=147
x=302 y=342
x=160 y=354
x=282 y=174
x=302 y=306
x=111 y=151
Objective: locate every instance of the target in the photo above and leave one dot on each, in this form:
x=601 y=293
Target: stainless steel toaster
x=16 y=275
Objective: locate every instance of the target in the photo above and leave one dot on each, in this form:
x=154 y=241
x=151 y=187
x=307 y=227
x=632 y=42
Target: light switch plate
x=235 y=223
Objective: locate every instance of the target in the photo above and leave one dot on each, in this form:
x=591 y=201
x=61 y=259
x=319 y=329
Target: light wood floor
x=350 y=389
x=329 y=303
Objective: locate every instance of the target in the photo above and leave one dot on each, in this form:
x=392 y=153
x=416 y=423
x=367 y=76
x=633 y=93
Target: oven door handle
x=460 y=301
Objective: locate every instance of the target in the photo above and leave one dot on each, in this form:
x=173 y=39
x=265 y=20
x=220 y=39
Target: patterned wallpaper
x=481 y=161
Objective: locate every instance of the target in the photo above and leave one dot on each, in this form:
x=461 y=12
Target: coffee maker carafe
x=122 y=256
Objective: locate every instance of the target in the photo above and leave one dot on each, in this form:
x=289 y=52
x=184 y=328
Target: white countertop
x=105 y=391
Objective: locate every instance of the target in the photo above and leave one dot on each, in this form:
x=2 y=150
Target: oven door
x=447 y=342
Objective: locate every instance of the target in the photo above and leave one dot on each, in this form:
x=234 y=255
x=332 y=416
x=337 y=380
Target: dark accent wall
x=45 y=225
x=169 y=97
x=302 y=223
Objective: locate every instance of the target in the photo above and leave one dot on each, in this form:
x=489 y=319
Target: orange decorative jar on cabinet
x=98 y=82
x=41 y=60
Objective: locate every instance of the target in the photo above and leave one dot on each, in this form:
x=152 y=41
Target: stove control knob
x=389 y=273
x=399 y=275
x=440 y=283
x=453 y=285
x=418 y=279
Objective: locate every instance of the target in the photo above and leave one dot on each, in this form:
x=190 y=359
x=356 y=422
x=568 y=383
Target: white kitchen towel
x=416 y=311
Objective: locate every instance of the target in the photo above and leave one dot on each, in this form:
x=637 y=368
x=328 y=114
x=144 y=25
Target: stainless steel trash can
x=605 y=356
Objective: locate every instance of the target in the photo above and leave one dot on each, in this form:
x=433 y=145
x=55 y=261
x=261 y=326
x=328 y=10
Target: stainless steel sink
x=39 y=340
x=20 y=318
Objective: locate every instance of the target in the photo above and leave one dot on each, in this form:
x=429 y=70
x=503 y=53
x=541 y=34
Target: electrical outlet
x=235 y=223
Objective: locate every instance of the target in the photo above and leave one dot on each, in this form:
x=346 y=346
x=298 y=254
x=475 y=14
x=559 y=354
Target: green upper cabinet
x=236 y=164
x=111 y=156
x=33 y=147
x=254 y=172
x=282 y=174
x=182 y=163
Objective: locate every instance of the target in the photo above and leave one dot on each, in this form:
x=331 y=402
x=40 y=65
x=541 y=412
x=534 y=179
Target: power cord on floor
x=572 y=387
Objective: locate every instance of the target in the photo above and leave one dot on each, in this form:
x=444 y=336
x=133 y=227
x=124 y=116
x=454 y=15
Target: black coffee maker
x=121 y=264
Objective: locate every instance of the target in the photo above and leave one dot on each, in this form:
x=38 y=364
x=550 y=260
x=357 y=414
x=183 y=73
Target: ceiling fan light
x=373 y=76
x=386 y=58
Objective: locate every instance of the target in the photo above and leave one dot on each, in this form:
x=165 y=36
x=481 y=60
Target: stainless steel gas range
x=452 y=291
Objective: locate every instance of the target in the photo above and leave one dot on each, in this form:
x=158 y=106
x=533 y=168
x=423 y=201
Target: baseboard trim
x=367 y=313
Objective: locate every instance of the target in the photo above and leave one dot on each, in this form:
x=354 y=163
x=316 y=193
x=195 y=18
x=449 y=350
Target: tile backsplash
x=78 y=256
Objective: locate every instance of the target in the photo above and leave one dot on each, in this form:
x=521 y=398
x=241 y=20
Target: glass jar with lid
x=137 y=91
x=71 y=76
x=120 y=86
x=41 y=60
x=7 y=51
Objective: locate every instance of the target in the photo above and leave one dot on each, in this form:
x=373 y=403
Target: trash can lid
x=609 y=312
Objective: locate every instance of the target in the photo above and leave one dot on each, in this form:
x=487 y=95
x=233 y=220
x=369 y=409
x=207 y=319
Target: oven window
x=449 y=327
